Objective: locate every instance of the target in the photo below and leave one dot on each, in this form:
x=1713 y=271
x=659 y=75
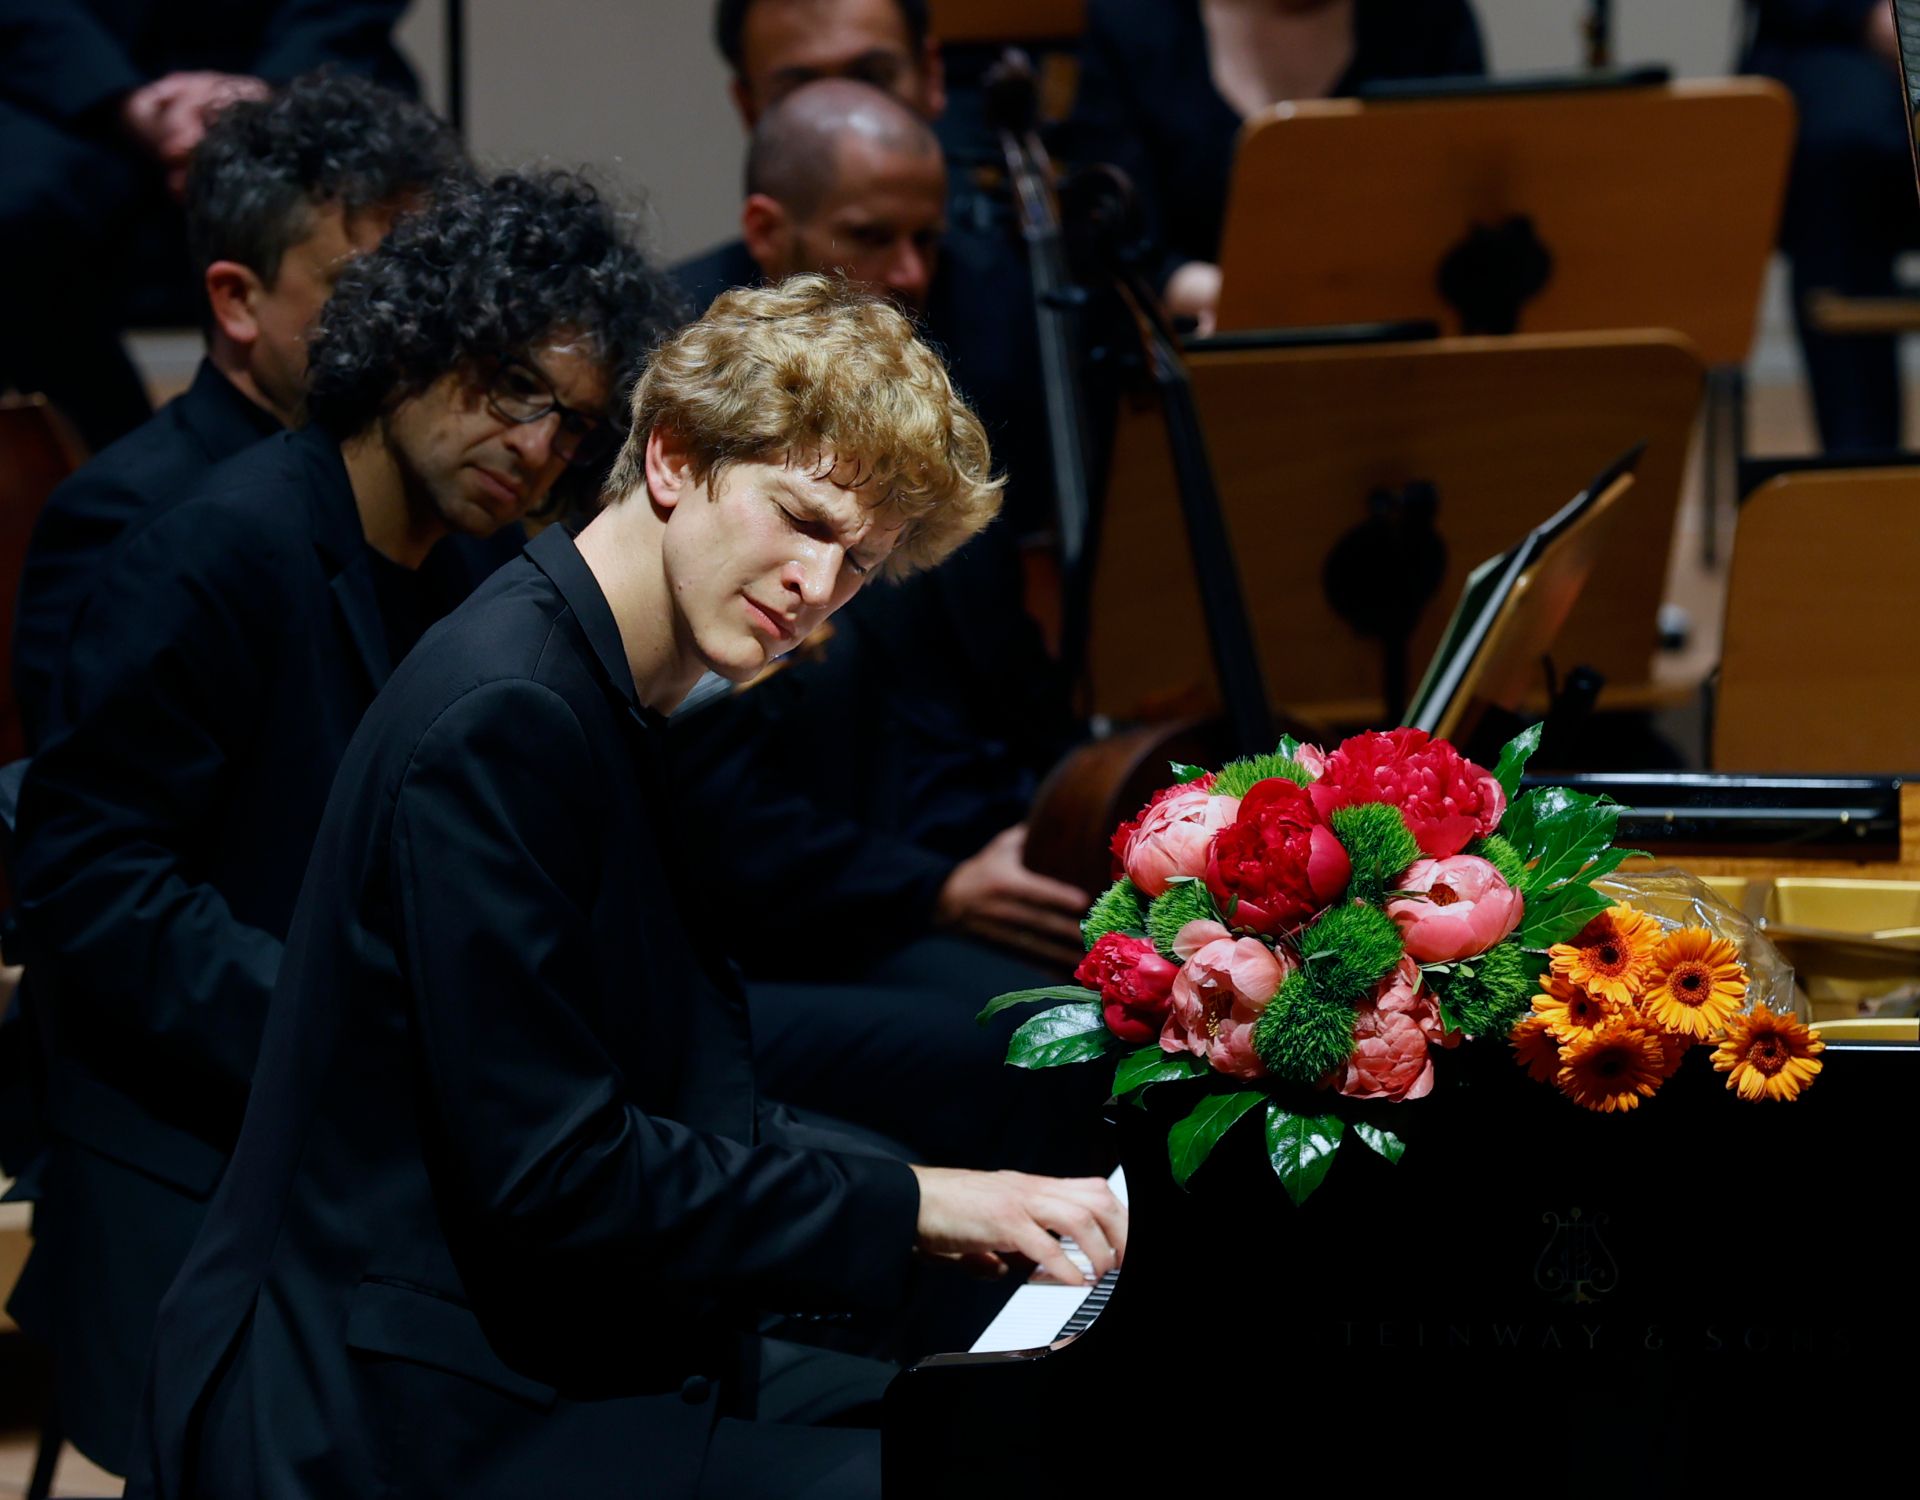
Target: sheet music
x=1035 y=1314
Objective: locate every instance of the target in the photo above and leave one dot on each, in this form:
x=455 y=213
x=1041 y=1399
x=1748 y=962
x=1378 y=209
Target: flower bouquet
x=1305 y=934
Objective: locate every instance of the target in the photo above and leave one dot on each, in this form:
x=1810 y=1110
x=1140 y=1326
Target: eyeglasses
x=519 y=393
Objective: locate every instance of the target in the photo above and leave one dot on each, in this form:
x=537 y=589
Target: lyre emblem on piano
x=1575 y=1265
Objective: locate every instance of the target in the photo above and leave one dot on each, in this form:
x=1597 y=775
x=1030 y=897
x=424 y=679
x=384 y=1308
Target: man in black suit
x=953 y=706
x=216 y=676
x=504 y=1198
x=101 y=104
x=281 y=193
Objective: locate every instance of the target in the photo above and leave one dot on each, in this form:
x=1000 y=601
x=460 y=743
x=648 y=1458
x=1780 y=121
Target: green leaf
x=1066 y=1034
x=1301 y=1149
x=1140 y=1070
x=1524 y=814
x=1192 y=1140
x=1385 y=1142
x=1558 y=914
x=1566 y=842
x=1288 y=746
x=1183 y=772
x=1513 y=760
x=1026 y=997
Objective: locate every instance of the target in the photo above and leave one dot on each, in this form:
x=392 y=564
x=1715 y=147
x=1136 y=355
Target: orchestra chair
x=1820 y=659
x=1506 y=430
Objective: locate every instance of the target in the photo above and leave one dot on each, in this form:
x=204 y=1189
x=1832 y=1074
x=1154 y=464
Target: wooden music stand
x=1820 y=662
x=1658 y=206
x=1506 y=429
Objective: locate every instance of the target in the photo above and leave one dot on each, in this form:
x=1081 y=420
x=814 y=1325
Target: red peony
x=1446 y=799
x=1276 y=864
x=1135 y=985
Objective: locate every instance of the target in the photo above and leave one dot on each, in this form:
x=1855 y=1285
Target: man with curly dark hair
x=228 y=652
x=281 y=193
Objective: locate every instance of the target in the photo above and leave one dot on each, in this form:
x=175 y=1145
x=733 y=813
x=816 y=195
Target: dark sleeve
x=161 y=688
x=1461 y=53
x=1105 y=127
x=546 y=1147
x=749 y=830
x=1805 y=22
x=58 y=61
x=72 y=541
x=353 y=34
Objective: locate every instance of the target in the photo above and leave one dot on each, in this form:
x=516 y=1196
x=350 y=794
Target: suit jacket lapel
x=359 y=607
x=340 y=539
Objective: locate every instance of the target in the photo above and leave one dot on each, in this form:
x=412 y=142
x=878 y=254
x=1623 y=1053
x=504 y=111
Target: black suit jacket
x=501 y=1195
x=1146 y=100
x=157 y=462
x=214 y=682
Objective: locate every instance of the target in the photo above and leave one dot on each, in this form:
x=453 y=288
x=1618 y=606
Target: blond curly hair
x=813 y=369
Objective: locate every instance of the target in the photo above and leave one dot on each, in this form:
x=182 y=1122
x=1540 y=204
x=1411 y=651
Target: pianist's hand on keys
x=979 y=1219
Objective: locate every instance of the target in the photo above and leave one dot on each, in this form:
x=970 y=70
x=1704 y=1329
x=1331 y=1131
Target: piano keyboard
x=1042 y=1312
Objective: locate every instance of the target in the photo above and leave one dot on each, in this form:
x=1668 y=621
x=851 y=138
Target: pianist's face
x=785 y=43
x=757 y=558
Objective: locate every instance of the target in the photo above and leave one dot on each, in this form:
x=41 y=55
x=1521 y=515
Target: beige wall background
x=633 y=89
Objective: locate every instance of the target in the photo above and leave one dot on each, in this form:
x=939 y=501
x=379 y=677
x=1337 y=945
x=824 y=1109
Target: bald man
x=840 y=178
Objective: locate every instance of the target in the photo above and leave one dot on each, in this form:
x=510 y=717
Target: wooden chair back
x=1820 y=661
x=1658 y=205
x=1506 y=429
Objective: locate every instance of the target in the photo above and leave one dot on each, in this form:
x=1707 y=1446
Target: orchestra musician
x=280 y=194
x=1165 y=86
x=504 y=1198
x=102 y=102
x=1850 y=206
x=215 y=678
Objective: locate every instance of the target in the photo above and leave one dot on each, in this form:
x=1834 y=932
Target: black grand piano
x=1700 y=1293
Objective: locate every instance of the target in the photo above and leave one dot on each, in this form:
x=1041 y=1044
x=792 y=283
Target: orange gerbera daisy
x=1698 y=983
x=1769 y=1056
x=1568 y=1009
x=1536 y=1047
x=1613 y=955
x=1614 y=1067
x=1673 y=1050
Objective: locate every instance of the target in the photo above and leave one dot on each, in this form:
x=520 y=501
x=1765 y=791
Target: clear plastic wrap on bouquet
x=1676 y=899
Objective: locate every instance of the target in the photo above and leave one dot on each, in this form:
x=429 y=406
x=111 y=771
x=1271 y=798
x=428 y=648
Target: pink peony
x=1223 y=985
x=1446 y=799
x=1172 y=835
x=1135 y=985
x=1311 y=759
x=1453 y=908
x=1393 y=1034
x=1276 y=863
